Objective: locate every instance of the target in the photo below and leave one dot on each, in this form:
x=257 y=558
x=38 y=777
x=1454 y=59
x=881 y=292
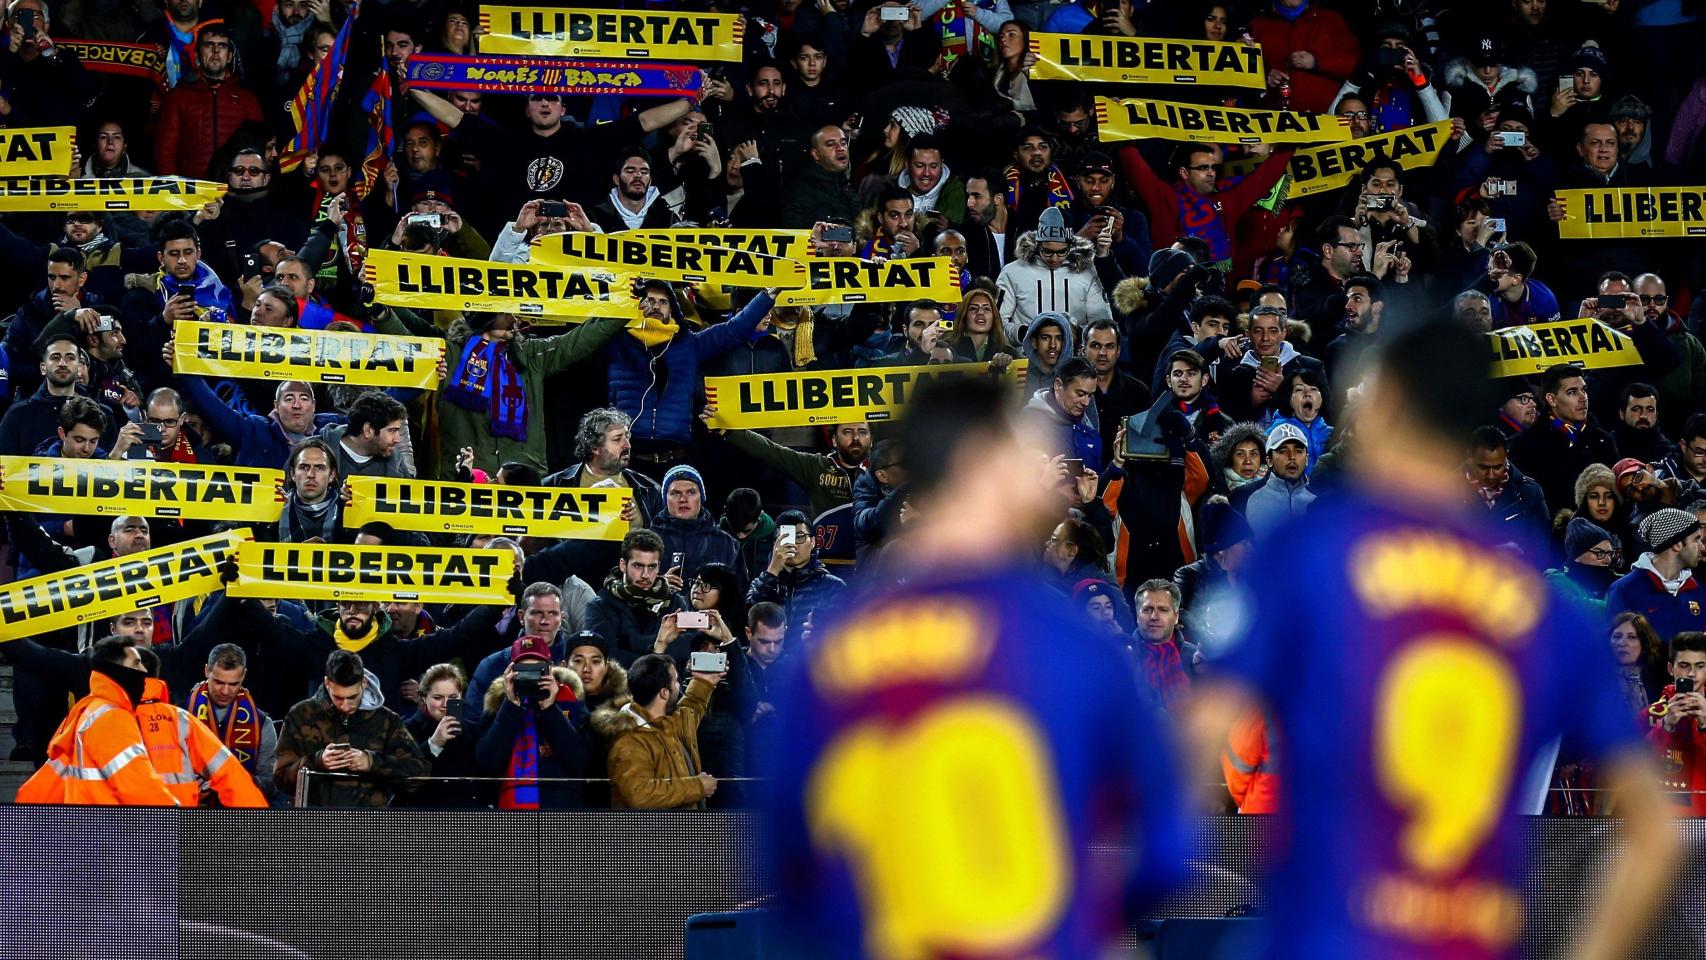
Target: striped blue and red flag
x=311 y=109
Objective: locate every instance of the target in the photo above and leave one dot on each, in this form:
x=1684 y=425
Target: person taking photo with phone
x=654 y=754
x=1678 y=720
x=538 y=739
x=796 y=579
x=437 y=726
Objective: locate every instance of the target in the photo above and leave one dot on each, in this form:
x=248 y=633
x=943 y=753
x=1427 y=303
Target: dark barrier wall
x=345 y=884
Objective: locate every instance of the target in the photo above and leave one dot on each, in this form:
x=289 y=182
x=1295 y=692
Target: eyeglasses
x=1524 y=398
x=1602 y=553
x=248 y=171
x=1053 y=254
x=333 y=168
x=1355 y=115
x=1354 y=245
x=1655 y=300
x=163 y=421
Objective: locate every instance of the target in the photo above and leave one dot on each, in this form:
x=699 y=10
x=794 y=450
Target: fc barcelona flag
x=376 y=106
x=311 y=110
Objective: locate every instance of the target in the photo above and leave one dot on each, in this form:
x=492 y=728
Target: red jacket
x=1682 y=756
x=1161 y=198
x=195 y=120
x=1322 y=33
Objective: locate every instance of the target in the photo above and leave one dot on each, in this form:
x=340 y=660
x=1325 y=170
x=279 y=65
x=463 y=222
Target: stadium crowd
x=1190 y=332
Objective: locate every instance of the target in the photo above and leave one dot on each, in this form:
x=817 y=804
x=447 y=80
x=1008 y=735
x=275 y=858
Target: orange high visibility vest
x=97 y=756
x=186 y=753
x=1249 y=763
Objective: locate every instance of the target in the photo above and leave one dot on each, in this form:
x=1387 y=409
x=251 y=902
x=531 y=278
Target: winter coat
x=1519 y=510
x=654 y=764
x=799 y=593
x=196 y=119
x=1683 y=390
x=648 y=496
x=1682 y=759
x=565 y=745
x=816 y=194
x=1319 y=31
x=1028 y=287
x=314 y=724
x=656 y=386
x=1641 y=590
x=1208 y=607
x=698 y=541
x=23 y=360
x=455 y=760
x=30 y=421
x=1554 y=460
x=1079 y=439
x=1232 y=382
x=1515 y=85
x=629 y=631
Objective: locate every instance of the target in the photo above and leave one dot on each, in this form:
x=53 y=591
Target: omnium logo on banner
x=1073 y=56
x=319 y=356
x=537 y=290
x=326 y=571
x=669 y=259
x=106 y=193
x=1525 y=351
x=30 y=150
x=788 y=244
x=650 y=34
x=761 y=401
x=568 y=513
x=854 y=280
x=1633 y=213
x=1146 y=119
x=140 y=488
x=97 y=591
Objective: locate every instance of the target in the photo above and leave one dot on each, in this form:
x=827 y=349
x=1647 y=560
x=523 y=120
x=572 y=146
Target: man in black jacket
x=821 y=191
x=1564 y=440
x=634 y=600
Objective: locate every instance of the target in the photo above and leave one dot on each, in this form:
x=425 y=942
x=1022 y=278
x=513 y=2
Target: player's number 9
x=1445 y=741
x=952 y=827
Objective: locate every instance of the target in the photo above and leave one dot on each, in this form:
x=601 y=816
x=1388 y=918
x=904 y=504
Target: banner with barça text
x=490 y=74
x=144 y=61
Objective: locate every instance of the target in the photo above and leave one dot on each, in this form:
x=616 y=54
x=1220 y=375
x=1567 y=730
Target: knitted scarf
x=212 y=298
x=289 y=41
x=1165 y=671
x=241 y=731
x=1059 y=188
x=304 y=521
x=521 y=786
x=802 y=333
x=653 y=600
x=355 y=644
x=1490 y=492
x=1191 y=408
x=1571 y=433
x=487 y=379
x=180 y=53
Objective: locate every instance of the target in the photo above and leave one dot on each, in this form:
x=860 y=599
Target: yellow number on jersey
x=952 y=826
x=1447 y=719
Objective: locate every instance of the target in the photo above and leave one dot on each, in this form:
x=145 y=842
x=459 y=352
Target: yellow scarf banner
x=538 y=291
x=789 y=244
x=671 y=259
x=1199 y=123
x=1076 y=56
x=97 y=591
x=327 y=571
x=317 y=356
x=37 y=150
x=854 y=280
x=650 y=34
x=141 y=488
x=568 y=513
x=814 y=398
x=106 y=193
x=1632 y=213
x=1525 y=351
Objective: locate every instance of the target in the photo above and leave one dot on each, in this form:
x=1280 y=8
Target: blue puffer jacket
x=800 y=593
x=656 y=386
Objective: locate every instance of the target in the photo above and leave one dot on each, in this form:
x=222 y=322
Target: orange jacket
x=187 y=753
x=1249 y=765
x=98 y=757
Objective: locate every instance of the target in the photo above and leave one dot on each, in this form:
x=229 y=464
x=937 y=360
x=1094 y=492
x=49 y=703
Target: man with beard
x=630 y=607
x=1639 y=484
x=1683 y=390
x=1513 y=502
x=273 y=56
x=64 y=291
x=796 y=579
x=821 y=191
x=103 y=257
x=1637 y=430
x=1074 y=131
x=247 y=219
x=1660 y=584
x=634 y=204
x=45 y=86
x=1034 y=182
x=654 y=756
x=989 y=237
x=345 y=727
x=34 y=419
x=604 y=443
x=1519 y=409
x=1689 y=462
x=1365 y=299
x=828 y=478
x=199 y=116
x=767 y=119
x=1587 y=572
x=1096 y=202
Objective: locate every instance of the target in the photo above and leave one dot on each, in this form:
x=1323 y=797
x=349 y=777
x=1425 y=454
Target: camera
x=529 y=680
x=693 y=620
x=553 y=208
x=1380 y=202
x=704 y=662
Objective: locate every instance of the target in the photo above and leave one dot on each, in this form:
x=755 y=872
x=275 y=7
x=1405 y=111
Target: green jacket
x=827 y=482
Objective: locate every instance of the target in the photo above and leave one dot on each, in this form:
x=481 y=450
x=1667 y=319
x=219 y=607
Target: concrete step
x=12 y=776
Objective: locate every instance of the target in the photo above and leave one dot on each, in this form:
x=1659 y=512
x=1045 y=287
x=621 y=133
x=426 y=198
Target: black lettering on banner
x=434 y=506
x=92 y=592
x=338 y=572
x=830 y=396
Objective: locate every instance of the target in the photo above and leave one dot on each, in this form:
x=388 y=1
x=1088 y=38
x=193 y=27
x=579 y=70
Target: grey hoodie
x=1036 y=378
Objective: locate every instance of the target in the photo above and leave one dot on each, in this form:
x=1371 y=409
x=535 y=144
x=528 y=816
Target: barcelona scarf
x=311 y=109
x=527 y=75
x=521 y=779
x=486 y=379
x=241 y=731
x=962 y=35
x=1164 y=669
x=1205 y=406
x=1059 y=189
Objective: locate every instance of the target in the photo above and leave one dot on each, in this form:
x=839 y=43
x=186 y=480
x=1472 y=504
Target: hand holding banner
x=1316 y=170
x=141 y=488
x=318 y=356
x=523 y=75
x=570 y=513
x=1525 y=351
x=1076 y=56
x=106 y=193
x=647 y=34
x=1198 y=123
x=99 y=590
x=536 y=291
x=813 y=398
x=669 y=260
x=37 y=150
x=328 y=571
x=1632 y=213
x=853 y=280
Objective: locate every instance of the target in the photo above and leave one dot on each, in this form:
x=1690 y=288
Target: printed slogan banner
x=538 y=290
x=669 y=259
x=1525 y=351
x=651 y=34
x=326 y=571
x=144 y=61
x=1198 y=123
x=1316 y=170
x=761 y=401
x=1632 y=212
x=106 y=193
x=853 y=280
x=101 y=590
x=448 y=71
x=569 y=513
x=788 y=244
x=318 y=356
x=37 y=150
x=140 y=488
x=1071 y=56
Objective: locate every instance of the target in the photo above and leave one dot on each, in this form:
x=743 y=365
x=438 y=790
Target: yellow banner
x=101 y=590
x=790 y=244
x=764 y=400
x=106 y=193
x=535 y=291
x=569 y=513
x=140 y=488
x=318 y=356
x=36 y=150
x=1316 y=170
x=852 y=280
x=612 y=34
x=1076 y=56
x=1198 y=123
x=1632 y=212
x=327 y=571
x=669 y=259
x=1524 y=351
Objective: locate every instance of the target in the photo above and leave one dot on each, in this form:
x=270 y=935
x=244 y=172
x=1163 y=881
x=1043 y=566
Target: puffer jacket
x=655 y=386
x=654 y=764
x=314 y=724
x=799 y=593
x=195 y=119
x=1029 y=287
x=1079 y=439
x=699 y=541
x=565 y=744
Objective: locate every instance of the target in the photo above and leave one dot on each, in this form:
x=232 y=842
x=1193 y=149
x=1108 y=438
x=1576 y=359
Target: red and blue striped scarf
x=521 y=785
x=1199 y=216
x=1165 y=670
x=487 y=379
x=1205 y=405
x=1059 y=188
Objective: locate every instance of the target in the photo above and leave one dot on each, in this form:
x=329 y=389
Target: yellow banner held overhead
x=677 y=260
x=140 y=488
x=1525 y=351
x=317 y=356
x=37 y=150
x=1633 y=213
x=327 y=571
x=1316 y=170
x=569 y=513
x=650 y=34
x=535 y=291
x=100 y=590
x=1199 y=123
x=1076 y=56
x=789 y=244
x=853 y=280
x=106 y=193
x=761 y=401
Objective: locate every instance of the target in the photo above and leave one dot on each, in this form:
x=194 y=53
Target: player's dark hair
x=1443 y=371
